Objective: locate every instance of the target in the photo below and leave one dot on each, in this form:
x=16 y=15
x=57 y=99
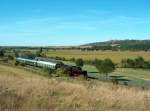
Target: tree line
x=138 y=62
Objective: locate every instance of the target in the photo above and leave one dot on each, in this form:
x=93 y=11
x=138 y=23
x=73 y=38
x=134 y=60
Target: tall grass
x=36 y=93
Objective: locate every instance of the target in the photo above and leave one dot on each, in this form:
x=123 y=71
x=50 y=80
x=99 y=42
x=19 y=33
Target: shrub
x=135 y=63
x=38 y=54
x=22 y=64
x=16 y=63
x=28 y=55
x=73 y=59
x=139 y=62
x=127 y=63
x=79 y=62
x=10 y=57
x=2 y=53
x=115 y=80
x=48 y=71
x=60 y=72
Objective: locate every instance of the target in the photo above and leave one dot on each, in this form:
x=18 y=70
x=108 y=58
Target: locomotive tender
x=52 y=64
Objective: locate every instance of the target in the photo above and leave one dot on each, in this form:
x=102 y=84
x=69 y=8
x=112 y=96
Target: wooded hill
x=133 y=45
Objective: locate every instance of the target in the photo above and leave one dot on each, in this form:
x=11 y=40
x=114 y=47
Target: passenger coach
x=41 y=62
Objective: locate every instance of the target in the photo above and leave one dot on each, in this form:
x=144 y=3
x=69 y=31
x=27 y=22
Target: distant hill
x=121 y=45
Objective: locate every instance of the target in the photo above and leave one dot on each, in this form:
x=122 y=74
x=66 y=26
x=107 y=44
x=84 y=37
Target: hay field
x=21 y=90
x=116 y=56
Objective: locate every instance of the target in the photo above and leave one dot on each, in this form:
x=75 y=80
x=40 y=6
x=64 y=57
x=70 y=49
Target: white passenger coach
x=40 y=62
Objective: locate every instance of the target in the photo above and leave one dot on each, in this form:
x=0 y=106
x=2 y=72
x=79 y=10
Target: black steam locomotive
x=74 y=71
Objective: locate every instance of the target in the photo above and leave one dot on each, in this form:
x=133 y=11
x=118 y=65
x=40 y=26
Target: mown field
x=138 y=77
x=116 y=56
x=22 y=90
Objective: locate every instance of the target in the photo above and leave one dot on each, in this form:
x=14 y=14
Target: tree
x=27 y=55
x=16 y=63
x=139 y=62
x=96 y=62
x=72 y=59
x=10 y=57
x=128 y=63
x=79 y=62
x=147 y=65
x=135 y=63
x=105 y=66
x=39 y=52
x=16 y=53
x=2 y=53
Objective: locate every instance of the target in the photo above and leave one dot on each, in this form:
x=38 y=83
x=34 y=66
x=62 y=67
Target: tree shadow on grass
x=119 y=80
x=96 y=72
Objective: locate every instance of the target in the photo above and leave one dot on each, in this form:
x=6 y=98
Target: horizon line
x=84 y=44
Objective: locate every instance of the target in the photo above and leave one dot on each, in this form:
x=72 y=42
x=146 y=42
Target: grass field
x=116 y=56
x=21 y=90
x=138 y=77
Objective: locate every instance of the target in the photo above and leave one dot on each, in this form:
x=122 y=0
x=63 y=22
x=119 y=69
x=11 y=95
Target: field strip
x=12 y=70
x=139 y=78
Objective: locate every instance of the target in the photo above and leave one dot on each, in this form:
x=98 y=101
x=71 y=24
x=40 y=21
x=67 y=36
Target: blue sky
x=72 y=22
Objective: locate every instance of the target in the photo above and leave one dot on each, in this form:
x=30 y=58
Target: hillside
x=21 y=90
x=122 y=45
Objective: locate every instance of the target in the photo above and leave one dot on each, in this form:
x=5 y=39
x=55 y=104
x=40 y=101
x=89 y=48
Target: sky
x=72 y=22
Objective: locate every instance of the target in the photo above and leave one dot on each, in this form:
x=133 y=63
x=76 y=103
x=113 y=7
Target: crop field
x=21 y=90
x=116 y=56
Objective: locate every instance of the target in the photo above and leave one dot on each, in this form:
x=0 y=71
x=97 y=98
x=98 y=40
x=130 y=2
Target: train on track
x=52 y=64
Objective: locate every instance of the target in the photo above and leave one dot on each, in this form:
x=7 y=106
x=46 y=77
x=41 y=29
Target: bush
x=2 y=53
x=97 y=62
x=60 y=72
x=139 y=62
x=38 y=54
x=147 y=64
x=135 y=63
x=73 y=59
x=115 y=80
x=10 y=57
x=5 y=60
x=79 y=62
x=90 y=62
x=28 y=55
x=49 y=71
x=22 y=64
x=127 y=63
x=16 y=63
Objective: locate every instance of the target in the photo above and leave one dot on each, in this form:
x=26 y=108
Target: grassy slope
x=21 y=90
x=90 y=55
